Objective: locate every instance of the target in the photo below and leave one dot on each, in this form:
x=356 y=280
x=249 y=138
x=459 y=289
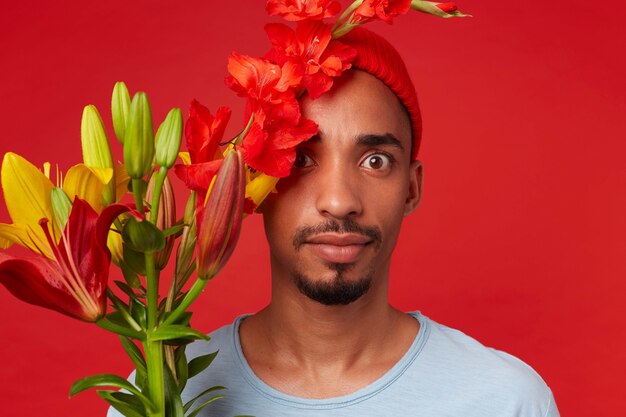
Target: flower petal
x=37 y=281
x=26 y=192
x=121 y=181
x=259 y=187
x=87 y=184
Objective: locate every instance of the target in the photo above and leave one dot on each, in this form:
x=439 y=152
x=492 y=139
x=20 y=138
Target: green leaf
x=173 y=402
x=189 y=403
x=138 y=312
x=127 y=404
x=142 y=236
x=173 y=230
x=195 y=412
x=180 y=359
x=117 y=318
x=130 y=276
x=120 y=329
x=134 y=353
x=199 y=364
x=177 y=331
x=127 y=290
x=107 y=380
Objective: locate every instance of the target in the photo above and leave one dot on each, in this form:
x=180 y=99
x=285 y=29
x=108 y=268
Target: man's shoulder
x=221 y=339
x=451 y=354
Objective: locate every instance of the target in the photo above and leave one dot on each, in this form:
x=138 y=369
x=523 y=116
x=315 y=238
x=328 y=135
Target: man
x=329 y=343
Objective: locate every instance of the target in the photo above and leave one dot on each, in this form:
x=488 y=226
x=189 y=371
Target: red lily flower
x=384 y=10
x=303 y=9
x=74 y=281
x=203 y=134
x=311 y=49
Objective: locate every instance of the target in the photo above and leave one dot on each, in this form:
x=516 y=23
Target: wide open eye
x=302 y=160
x=377 y=162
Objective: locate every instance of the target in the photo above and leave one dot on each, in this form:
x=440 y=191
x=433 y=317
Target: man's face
x=335 y=220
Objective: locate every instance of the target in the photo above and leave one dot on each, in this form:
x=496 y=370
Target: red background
x=519 y=240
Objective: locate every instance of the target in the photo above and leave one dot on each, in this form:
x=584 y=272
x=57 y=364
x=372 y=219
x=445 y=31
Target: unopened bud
x=96 y=149
x=139 y=138
x=438 y=9
x=166 y=217
x=120 y=107
x=61 y=207
x=168 y=139
x=220 y=220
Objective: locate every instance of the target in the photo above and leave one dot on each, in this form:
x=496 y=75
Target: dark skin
x=358 y=169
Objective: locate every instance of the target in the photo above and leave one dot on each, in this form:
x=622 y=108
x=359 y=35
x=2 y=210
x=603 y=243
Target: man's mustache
x=336 y=226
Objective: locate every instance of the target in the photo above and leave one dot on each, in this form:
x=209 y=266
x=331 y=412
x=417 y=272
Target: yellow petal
x=86 y=183
x=114 y=243
x=18 y=234
x=9 y=236
x=26 y=192
x=185 y=157
x=259 y=187
x=121 y=182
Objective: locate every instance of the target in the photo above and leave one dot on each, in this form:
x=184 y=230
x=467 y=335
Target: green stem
x=156 y=195
x=245 y=130
x=344 y=19
x=154 y=349
x=137 y=187
x=195 y=290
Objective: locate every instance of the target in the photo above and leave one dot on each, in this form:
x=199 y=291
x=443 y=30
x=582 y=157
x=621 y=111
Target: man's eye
x=302 y=161
x=377 y=162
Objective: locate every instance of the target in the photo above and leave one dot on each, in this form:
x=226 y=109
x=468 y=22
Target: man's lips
x=338 y=248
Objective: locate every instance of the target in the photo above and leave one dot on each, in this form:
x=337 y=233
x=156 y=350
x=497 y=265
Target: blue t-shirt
x=444 y=373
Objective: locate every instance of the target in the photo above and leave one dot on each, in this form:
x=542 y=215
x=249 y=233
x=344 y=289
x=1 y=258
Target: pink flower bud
x=166 y=217
x=219 y=221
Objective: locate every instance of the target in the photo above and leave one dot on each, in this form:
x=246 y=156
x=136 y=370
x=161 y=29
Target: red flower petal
x=198 y=176
x=447 y=7
x=205 y=132
x=303 y=9
x=37 y=281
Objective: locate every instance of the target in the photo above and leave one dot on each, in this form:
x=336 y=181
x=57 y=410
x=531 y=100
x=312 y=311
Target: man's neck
x=296 y=342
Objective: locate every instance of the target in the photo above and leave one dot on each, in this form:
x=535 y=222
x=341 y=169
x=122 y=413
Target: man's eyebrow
x=373 y=140
x=368 y=139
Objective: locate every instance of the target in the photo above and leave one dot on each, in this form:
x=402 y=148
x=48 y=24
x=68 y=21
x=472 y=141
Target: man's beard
x=338 y=291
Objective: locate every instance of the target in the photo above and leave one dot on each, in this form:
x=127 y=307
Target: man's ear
x=415 y=187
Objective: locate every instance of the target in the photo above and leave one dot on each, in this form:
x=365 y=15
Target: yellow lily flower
x=27 y=194
x=259 y=186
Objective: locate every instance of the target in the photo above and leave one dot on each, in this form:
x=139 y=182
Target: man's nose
x=338 y=193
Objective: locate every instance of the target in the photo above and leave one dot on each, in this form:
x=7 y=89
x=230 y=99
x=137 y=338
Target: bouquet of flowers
x=82 y=222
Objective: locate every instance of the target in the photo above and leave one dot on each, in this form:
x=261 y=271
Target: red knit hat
x=378 y=57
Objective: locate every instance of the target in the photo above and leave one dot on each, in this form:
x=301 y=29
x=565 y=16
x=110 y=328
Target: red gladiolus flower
x=384 y=10
x=203 y=134
x=74 y=281
x=312 y=51
x=265 y=84
x=269 y=145
x=294 y=10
